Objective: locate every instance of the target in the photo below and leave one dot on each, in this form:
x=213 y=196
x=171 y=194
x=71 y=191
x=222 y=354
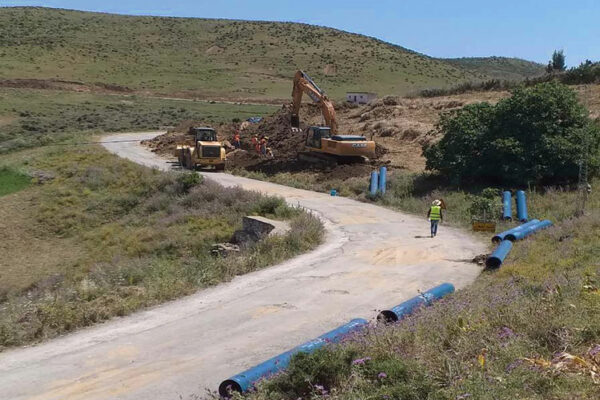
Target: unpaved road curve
x=372 y=258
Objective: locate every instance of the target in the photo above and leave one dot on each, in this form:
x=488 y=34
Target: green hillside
x=499 y=67
x=208 y=57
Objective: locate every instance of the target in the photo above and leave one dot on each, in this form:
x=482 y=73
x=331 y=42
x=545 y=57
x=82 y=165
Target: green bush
x=537 y=135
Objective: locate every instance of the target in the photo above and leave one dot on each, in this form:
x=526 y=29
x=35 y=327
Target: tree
x=558 y=61
x=536 y=135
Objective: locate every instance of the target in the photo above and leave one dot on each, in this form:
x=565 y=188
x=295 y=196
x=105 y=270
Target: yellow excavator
x=323 y=144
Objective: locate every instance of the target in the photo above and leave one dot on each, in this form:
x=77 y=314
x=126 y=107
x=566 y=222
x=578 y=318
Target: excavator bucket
x=295 y=120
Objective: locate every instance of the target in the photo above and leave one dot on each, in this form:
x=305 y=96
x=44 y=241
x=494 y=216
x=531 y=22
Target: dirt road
x=372 y=258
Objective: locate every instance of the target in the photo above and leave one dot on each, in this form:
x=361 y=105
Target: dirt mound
x=243 y=158
x=166 y=143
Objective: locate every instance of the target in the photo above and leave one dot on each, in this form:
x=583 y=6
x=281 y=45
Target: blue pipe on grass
x=521 y=206
x=501 y=236
x=409 y=306
x=507 y=206
x=382 y=179
x=374 y=183
x=523 y=233
x=245 y=380
x=496 y=259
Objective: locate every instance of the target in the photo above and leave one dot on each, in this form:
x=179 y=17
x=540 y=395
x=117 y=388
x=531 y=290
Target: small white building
x=360 y=97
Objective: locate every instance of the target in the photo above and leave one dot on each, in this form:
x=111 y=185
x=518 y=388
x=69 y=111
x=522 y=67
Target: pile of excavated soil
x=241 y=158
x=165 y=144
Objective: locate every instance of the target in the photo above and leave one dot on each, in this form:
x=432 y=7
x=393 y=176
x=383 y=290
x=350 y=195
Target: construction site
x=236 y=208
x=398 y=126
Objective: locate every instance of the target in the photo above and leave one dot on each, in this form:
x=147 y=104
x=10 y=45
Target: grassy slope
x=208 y=57
x=504 y=68
x=110 y=237
x=39 y=117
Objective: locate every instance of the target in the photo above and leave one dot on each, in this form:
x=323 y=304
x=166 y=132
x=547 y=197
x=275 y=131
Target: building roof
x=348 y=92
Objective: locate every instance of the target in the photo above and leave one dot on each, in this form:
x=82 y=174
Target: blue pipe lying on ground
x=501 y=236
x=374 y=183
x=382 y=179
x=521 y=206
x=523 y=233
x=244 y=381
x=496 y=259
x=506 y=205
x=409 y=306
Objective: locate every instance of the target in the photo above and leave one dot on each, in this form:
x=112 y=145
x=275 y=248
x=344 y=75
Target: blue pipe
x=245 y=380
x=409 y=306
x=521 y=206
x=506 y=203
x=523 y=233
x=501 y=236
x=374 y=183
x=382 y=179
x=496 y=259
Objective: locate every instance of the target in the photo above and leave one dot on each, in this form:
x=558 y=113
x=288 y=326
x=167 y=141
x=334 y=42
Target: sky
x=442 y=28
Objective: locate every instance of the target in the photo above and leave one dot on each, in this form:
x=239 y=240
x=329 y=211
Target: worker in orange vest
x=237 y=143
x=263 y=145
x=255 y=143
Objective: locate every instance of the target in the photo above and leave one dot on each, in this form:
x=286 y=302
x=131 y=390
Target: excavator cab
x=315 y=134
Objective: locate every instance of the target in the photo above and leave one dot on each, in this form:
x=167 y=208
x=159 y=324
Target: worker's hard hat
x=266 y=137
x=436 y=203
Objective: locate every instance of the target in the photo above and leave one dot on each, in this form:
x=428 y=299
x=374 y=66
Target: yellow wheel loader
x=206 y=151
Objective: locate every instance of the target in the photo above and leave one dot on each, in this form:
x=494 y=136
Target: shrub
x=536 y=135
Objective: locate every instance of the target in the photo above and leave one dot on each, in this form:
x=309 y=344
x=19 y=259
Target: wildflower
x=361 y=361
x=506 y=333
x=382 y=375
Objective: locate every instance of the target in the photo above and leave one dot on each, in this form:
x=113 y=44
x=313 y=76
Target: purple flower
x=506 y=333
x=382 y=375
x=513 y=365
x=361 y=361
x=594 y=350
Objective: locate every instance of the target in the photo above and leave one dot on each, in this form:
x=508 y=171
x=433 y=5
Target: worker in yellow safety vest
x=435 y=216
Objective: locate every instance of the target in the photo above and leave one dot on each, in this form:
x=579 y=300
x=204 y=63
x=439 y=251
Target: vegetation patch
x=123 y=237
x=48 y=117
x=538 y=135
x=12 y=181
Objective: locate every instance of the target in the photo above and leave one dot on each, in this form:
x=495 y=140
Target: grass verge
x=110 y=237
x=12 y=181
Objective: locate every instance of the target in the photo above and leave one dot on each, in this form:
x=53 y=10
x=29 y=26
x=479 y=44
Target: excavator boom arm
x=303 y=84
